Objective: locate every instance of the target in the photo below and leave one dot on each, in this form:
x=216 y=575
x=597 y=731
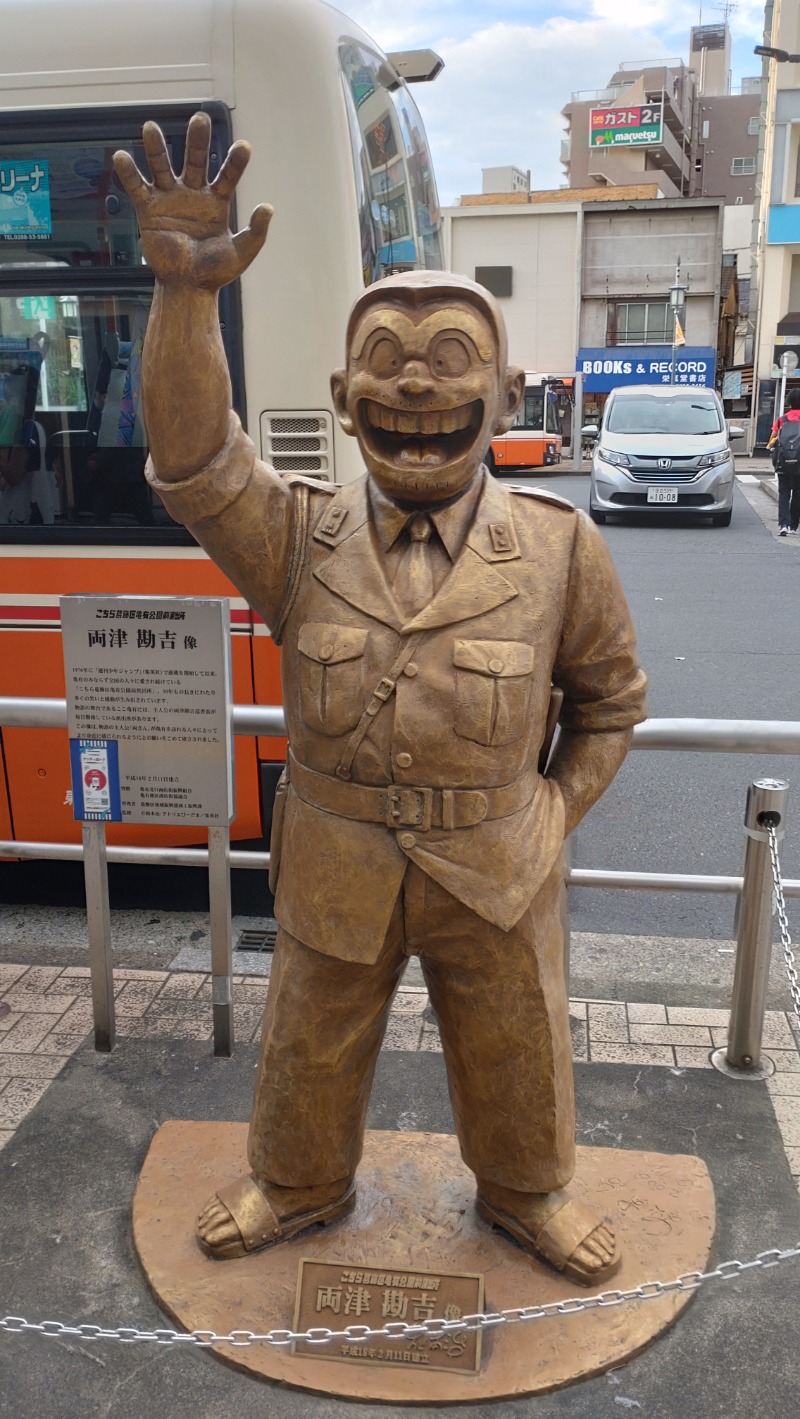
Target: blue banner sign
x=25 y=201
x=95 y=780
x=604 y=369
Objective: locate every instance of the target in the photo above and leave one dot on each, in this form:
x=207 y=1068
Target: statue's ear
x=510 y=399
x=339 y=392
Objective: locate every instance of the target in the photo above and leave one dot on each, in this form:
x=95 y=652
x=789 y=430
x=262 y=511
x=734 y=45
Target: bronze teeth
x=404 y=421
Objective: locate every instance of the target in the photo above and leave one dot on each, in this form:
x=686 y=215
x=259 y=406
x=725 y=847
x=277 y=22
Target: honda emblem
x=665 y=462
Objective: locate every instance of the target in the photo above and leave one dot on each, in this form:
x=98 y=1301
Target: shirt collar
x=452 y=522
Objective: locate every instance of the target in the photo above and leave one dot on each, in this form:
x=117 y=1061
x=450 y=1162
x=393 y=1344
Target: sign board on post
x=607 y=369
x=636 y=126
x=150 y=726
x=152 y=677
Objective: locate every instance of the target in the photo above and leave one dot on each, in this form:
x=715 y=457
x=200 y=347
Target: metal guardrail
x=707 y=736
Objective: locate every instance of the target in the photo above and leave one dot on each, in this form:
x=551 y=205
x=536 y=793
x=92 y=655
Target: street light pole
x=677 y=301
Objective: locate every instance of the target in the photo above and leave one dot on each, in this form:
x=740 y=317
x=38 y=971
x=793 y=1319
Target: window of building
x=639 y=323
x=753 y=125
x=743 y=167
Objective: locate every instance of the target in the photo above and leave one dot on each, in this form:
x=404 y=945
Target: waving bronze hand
x=185 y=220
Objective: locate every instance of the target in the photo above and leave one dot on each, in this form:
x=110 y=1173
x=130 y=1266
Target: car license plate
x=662 y=495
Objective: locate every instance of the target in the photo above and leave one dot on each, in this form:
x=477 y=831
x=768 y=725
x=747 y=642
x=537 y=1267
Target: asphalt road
x=716 y=612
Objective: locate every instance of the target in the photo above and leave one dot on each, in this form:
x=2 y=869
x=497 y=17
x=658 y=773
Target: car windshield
x=650 y=414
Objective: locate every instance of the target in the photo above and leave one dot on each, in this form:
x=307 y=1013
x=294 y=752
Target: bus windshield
x=531 y=416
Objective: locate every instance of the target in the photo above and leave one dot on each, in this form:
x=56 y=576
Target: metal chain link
x=400 y=1330
x=783 y=921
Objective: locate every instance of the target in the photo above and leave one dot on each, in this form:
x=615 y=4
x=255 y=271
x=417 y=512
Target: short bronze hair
x=417 y=288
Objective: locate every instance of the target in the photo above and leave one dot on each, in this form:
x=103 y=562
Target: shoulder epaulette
x=544 y=495
x=317 y=485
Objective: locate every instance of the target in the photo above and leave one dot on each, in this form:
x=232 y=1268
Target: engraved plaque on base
x=335 y=1295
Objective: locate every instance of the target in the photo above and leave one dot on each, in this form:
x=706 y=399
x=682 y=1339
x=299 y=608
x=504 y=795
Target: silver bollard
x=741 y=1059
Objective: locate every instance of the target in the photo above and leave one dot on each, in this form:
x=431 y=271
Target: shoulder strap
x=383 y=691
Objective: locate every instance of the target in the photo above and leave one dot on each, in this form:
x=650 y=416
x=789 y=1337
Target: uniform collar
x=452 y=521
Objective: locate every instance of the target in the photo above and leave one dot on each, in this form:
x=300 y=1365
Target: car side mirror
x=735 y=433
x=589 y=431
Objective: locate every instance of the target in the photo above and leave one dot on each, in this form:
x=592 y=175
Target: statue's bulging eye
x=384 y=358
x=450 y=358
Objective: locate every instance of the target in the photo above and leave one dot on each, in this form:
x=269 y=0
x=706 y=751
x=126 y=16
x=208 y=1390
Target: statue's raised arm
x=187 y=242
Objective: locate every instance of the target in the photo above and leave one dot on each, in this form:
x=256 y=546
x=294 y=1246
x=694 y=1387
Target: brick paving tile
x=36 y=979
x=669 y=1035
x=779 y=1083
x=249 y=991
x=27 y=1033
x=125 y=973
x=785 y=1063
x=182 y=985
x=56 y=1043
x=77 y=1020
x=580 y=1039
x=136 y=995
x=429 y=1039
x=31 y=1066
x=6 y=1134
x=405 y=1003
x=169 y=1009
x=689 y=1015
x=691 y=1057
x=18 y=1098
x=8 y=1022
x=793 y=1154
x=777 y=1033
x=577 y=1009
x=22 y=1000
x=790 y=1132
x=787 y=1108
x=647 y=1014
x=609 y=1011
x=79 y=987
x=611 y=1030
x=77 y=971
x=9 y=974
x=604 y=1053
x=403 y=1033
x=163 y=1027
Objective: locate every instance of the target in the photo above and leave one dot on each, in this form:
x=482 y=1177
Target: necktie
x=413 y=584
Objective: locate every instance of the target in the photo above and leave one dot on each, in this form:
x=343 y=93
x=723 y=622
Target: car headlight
x=620 y=459
x=712 y=460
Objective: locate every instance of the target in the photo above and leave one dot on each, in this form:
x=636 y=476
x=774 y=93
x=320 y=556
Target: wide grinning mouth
x=417 y=436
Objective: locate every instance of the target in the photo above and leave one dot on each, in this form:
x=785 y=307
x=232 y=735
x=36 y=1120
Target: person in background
x=787 y=469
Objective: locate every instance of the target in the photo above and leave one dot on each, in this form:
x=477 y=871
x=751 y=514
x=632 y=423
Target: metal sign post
x=150 y=722
x=788 y=366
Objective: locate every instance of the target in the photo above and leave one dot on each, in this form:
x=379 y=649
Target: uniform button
x=495 y=666
x=325 y=652
x=404 y=761
x=407 y=840
x=410 y=670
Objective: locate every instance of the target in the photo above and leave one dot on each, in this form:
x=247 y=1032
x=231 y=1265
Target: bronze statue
x=426 y=612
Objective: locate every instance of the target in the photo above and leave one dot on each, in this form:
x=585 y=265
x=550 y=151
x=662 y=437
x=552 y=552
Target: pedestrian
x=786 y=457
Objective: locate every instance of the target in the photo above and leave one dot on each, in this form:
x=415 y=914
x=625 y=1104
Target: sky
x=511 y=65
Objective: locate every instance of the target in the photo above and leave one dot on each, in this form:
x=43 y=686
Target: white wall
x=541 y=245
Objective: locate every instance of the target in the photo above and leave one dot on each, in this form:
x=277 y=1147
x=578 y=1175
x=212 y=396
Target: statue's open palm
x=185 y=220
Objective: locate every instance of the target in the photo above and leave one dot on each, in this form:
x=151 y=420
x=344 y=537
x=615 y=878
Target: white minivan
x=662 y=446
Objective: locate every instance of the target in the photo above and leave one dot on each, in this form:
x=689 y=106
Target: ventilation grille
x=256 y=939
x=298 y=442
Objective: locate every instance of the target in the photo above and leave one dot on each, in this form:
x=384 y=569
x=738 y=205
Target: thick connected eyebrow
x=415 y=338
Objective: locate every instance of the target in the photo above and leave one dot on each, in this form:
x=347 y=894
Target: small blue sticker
x=95 y=780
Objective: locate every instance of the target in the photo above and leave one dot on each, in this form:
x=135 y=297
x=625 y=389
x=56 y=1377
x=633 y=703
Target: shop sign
x=605 y=369
x=634 y=127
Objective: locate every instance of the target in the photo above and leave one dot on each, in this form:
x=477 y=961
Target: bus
x=339 y=149
x=536 y=438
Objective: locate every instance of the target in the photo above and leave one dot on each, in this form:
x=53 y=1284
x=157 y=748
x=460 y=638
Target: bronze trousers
x=501 y=1006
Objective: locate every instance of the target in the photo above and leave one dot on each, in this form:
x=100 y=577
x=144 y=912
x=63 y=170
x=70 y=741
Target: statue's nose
x=415 y=379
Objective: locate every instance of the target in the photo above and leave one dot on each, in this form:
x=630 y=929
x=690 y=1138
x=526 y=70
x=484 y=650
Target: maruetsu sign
x=634 y=127
x=604 y=369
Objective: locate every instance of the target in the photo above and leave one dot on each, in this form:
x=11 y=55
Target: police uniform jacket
x=416 y=738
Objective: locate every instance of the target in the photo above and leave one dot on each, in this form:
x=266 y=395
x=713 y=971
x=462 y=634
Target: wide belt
x=402 y=805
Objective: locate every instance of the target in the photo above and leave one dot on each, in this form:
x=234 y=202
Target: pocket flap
x=330 y=644
x=495 y=658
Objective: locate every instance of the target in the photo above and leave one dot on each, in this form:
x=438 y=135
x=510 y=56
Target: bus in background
x=539 y=430
x=340 y=151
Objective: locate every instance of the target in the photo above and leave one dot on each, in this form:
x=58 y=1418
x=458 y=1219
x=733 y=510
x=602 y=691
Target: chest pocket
x=493 y=681
x=331 y=676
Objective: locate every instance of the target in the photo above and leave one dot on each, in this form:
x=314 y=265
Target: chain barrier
x=783 y=920
x=400 y=1330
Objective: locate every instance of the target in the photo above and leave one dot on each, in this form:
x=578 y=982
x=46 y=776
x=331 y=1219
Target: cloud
x=511 y=65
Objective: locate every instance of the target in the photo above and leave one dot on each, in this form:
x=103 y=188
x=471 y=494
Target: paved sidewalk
x=45 y=1014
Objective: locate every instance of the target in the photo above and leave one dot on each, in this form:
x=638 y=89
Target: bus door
x=534 y=441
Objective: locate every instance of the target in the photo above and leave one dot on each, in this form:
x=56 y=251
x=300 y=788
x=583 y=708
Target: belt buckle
x=409 y=807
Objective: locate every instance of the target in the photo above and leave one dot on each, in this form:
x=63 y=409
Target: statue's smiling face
x=423 y=395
